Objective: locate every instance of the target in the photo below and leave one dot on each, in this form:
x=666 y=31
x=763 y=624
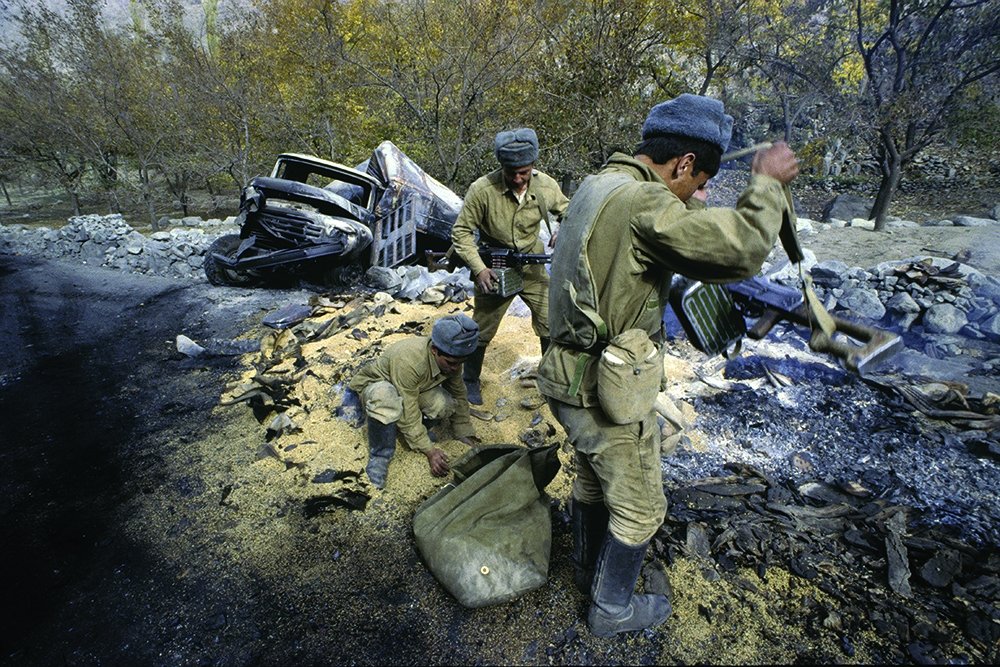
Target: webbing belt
x=821 y=324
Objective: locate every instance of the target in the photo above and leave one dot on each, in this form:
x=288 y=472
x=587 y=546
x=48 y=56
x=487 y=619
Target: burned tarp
x=434 y=206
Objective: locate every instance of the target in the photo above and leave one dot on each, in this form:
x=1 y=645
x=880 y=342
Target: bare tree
x=919 y=57
x=796 y=53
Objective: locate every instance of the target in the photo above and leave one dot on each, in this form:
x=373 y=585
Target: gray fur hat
x=456 y=335
x=516 y=148
x=692 y=116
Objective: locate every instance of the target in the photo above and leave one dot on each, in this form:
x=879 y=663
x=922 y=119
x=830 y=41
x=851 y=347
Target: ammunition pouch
x=510 y=281
x=629 y=374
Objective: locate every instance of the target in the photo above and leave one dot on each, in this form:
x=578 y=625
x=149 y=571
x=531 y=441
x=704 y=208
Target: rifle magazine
x=708 y=316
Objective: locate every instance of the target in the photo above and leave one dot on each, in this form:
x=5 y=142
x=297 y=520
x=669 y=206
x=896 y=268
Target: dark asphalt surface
x=91 y=385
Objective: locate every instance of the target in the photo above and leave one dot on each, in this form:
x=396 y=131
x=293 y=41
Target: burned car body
x=329 y=222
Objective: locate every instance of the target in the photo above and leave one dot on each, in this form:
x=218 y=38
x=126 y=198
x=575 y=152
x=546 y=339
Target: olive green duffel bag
x=487 y=536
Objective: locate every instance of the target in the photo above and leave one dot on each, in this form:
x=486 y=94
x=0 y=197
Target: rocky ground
x=167 y=509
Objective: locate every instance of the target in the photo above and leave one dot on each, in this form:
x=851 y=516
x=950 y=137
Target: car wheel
x=218 y=274
x=346 y=275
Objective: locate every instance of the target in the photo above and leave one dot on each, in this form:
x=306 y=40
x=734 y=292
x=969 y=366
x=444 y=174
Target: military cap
x=455 y=335
x=692 y=116
x=516 y=148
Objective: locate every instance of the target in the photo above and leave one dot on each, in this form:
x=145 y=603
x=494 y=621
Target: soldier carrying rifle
x=507 y=208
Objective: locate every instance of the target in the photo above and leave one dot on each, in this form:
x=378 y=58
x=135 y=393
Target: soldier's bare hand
x=438 y=461
x=485 y=280
x=778 y=161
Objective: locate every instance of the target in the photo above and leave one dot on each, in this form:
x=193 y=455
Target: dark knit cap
x=516 y=148
x=692 y=116
x=456 y=335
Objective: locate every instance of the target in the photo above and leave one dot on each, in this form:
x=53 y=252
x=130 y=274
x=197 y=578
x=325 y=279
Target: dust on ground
x=978 y=247
x=351 y=581
x=265 y=565
x=366 y=565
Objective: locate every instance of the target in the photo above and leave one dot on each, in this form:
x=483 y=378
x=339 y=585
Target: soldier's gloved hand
x=470 y=440
x=438 y=461
x=485 y=280
x=778 y=161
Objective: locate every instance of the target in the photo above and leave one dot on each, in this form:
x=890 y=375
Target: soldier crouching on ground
x=507 y=208
x=416 y=378
x=627 y=230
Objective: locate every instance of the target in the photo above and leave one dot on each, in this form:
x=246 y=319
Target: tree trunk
x=892 y=173
x=786 y=119
x=147 y=197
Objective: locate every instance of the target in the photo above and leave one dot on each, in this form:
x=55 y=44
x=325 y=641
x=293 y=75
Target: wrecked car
x=327 y=222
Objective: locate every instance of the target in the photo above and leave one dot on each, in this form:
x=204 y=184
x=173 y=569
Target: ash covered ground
x=834 y=427
x=814 y=516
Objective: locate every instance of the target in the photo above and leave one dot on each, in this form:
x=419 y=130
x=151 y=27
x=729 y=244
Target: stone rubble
x=944 y=308
x=109 y=241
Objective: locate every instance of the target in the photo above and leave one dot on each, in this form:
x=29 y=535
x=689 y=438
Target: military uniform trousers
x=489 y=310
x=618 y=465
x=383 y=403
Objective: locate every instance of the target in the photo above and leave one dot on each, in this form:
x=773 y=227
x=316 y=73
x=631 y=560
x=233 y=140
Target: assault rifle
x=713 y=316
x=713 y=319
x=504 y=262
x=505 y=258
x=507 y=263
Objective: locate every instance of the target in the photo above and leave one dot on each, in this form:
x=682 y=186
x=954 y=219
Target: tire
x=217 y=274
x=346 y=275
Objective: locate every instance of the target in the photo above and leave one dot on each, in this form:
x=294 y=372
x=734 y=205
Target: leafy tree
x=453 y=71
x=49 y=125
x=797 y=52
x=706 y=41
x=592 y=78
x=920 y=57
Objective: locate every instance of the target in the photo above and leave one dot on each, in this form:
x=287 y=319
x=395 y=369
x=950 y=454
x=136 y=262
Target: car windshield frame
x=292 y=167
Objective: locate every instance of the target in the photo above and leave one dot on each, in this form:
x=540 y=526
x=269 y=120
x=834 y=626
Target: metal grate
x=293 y=230
x=395 y=235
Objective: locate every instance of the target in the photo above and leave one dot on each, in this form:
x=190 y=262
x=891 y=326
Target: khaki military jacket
x=493 y=209
x=645 y=234
x=410 y=366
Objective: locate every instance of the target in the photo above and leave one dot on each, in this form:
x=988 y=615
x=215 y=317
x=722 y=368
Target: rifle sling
x=820 y=322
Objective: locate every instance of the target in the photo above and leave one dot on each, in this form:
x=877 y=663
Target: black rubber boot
x=590 y=525
x=470 y=373
x=615 y=606
x=350 y=409
x=381 y=447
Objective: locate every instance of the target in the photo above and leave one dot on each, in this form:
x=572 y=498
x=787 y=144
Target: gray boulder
x=970 y=221
x=902 y=303
x=991 y=328
x=847 y=207
x=829 y=273
x=863 y=303
x=944 y=318
x=985 y=287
